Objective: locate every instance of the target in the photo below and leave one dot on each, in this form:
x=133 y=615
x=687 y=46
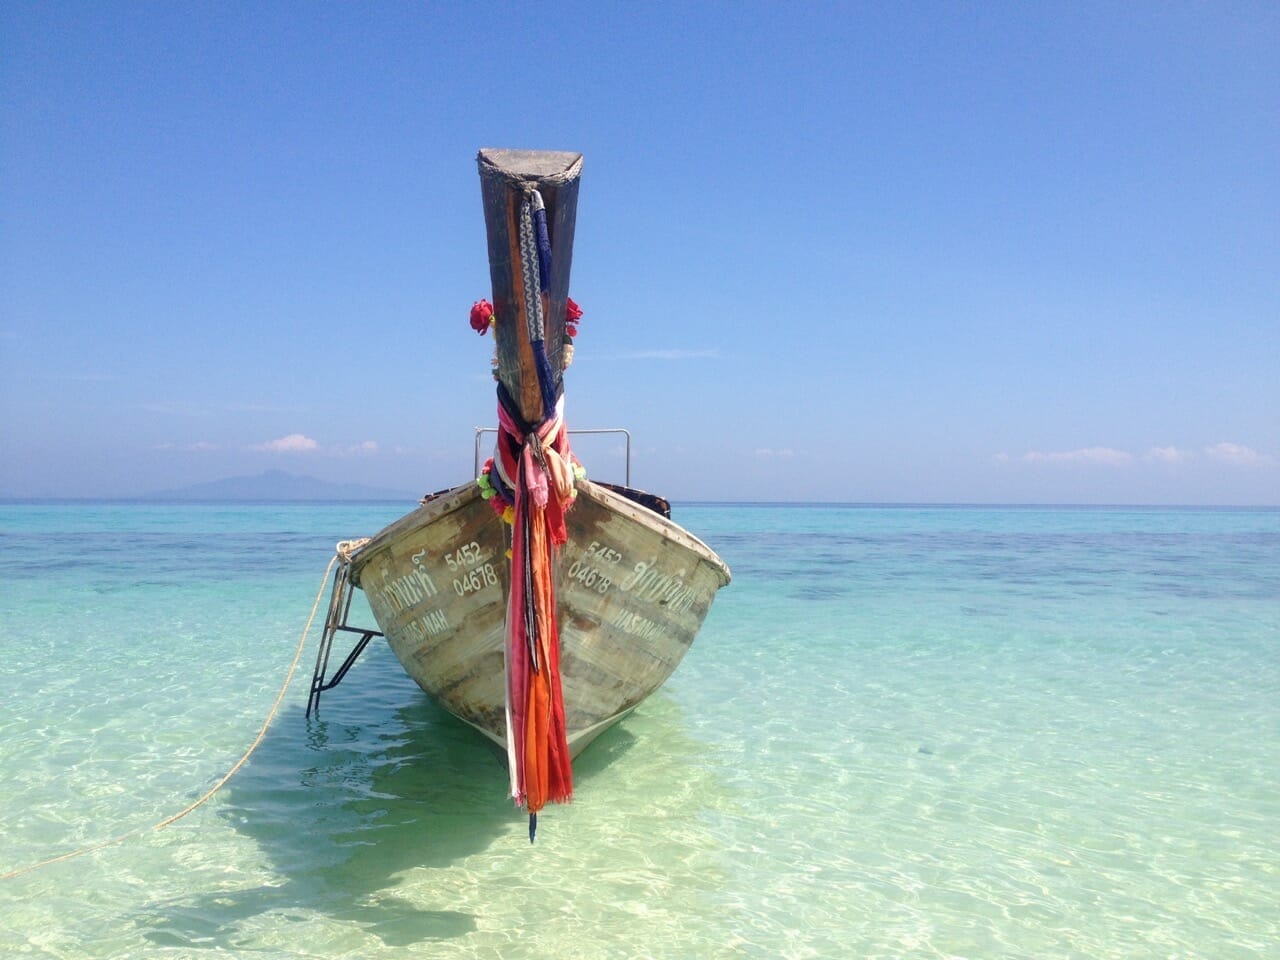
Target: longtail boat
x=534 y=604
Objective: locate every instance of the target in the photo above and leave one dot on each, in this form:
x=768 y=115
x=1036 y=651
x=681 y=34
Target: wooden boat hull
x=632 y=590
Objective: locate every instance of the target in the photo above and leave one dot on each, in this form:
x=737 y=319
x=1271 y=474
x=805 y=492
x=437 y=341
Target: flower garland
x=503 y=507
x=572 y=314
x=500 y=504
x=483 y=317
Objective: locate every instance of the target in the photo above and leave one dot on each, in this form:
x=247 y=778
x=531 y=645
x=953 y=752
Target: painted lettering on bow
x=401 y=593
x=594 y=569
x=430 y=623
x=475 y=579
x=602 y=553
x=470 y=564
x=590 y=577
x=464 y=558
x=649 y=583
x=637 y=625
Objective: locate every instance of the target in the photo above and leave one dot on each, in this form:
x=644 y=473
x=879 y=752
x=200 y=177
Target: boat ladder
x=336 y=622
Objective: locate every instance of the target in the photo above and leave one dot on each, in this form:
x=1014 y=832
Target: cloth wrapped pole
x=532 y=462
x=537 y=741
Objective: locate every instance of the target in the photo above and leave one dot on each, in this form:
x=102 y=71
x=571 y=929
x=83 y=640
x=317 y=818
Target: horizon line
x=881 y=504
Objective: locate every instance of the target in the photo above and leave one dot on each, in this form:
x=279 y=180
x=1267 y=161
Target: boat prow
x=632 y=589
x=531 y=603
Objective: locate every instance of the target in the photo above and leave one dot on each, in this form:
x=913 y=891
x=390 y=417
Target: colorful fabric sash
x=532 y=471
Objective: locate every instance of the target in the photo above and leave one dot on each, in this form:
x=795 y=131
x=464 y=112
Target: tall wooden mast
x=508 y=179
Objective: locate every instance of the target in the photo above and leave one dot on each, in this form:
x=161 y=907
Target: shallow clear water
x=903 y=732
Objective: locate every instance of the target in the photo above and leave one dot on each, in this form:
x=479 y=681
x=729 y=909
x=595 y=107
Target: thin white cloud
x=300 y=443
x=1106 y=456
x=766 y=453
x=293 y=443
x=1167 y=455
x=1234 y=453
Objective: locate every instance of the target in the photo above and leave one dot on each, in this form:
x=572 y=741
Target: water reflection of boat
x=372 y=830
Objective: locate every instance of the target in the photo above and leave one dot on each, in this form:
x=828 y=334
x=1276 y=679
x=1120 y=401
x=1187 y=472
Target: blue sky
x=857 y=252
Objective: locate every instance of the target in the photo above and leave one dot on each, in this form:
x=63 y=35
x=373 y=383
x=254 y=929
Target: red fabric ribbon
x=537 y=738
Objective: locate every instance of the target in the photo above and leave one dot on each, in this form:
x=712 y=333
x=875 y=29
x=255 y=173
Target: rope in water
x=275 y=707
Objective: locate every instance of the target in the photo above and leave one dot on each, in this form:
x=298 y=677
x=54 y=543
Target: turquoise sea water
x=903 y=732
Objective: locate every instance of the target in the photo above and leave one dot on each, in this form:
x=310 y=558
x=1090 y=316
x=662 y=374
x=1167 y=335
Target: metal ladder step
x=336 y=622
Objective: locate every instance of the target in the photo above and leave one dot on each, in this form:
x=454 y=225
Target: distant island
x=279 y=485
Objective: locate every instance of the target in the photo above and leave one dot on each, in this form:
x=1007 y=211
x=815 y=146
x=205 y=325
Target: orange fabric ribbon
x=537 y=736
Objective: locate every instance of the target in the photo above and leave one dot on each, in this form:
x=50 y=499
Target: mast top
x=529 y=166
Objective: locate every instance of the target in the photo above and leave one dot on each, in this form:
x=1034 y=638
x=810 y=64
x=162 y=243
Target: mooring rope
x=275 y=707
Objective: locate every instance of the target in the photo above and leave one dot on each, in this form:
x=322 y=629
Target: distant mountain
x=279 y=485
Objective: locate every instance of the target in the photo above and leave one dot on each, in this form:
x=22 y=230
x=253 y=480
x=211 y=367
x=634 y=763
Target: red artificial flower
x=481 y=316
x=572 y=314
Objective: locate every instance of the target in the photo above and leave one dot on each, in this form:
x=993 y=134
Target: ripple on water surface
x=902 y=733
